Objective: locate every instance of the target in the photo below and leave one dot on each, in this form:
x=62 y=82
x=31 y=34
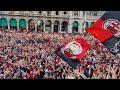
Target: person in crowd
x=31 y=56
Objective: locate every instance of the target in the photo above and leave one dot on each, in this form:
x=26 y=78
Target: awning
x=75 y=24
x=22 y=22
x=13 y=22
x=3 y=22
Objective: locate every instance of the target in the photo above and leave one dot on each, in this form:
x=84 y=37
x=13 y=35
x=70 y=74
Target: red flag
x=98 y=32
x=73 y=51
x=107 y=30
x=76 y=49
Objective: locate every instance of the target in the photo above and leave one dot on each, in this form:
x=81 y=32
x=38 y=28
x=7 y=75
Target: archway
x=31 y=25
x=86 y=24
x=75 y=26
x=40 y=25
x=3 y=24
x=48 y=26
x=13 y=24
x=22 y=25
x=56 y=26
x=64 y=26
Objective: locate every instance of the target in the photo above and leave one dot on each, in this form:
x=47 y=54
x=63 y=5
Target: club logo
x=116 y=49
x=113 y=26
x=72 y=49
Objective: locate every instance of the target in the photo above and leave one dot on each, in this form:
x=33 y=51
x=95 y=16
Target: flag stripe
x=98 y=32
x=112 y=44
x=111 y=15
x=72 y=63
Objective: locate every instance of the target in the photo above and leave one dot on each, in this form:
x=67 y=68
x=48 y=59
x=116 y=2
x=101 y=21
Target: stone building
x=52 y=21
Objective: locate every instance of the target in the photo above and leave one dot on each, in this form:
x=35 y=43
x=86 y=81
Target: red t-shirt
x=86 y=65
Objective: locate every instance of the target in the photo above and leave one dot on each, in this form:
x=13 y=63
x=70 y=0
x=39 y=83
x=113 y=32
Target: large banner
x=107 y=30
x=73 y=51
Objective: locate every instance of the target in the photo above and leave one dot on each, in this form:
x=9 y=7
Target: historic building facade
x=51 y=21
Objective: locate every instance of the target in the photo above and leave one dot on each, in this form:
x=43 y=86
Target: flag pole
x=82 y=23
x=85 y=21
x=80 y=74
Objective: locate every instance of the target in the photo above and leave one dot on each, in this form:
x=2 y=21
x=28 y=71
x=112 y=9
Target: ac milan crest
x=113 y=26
x=72 y=49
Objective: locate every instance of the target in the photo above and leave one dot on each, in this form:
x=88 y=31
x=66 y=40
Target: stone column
x=70 y=28
x=17 y=26
x=81 y=13
x=80 y=29
x=8 y=25
x=70 y=23
x=44 y=13
x=27 y=25
x=52 y=28
x=81 y=22
x=52 y=13
x=44 y=27
x=60 y=26
x=35 y=27
x=60 y=13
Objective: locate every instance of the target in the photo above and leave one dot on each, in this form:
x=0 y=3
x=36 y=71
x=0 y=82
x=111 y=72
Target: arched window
x=3 y=24
x=86 y=24
x=75 y=26
x=22 y=25
x=64 y=26
x=48 y=26
x=56 y=26
x=13 y=24
x=31 y=25
x=40 y=25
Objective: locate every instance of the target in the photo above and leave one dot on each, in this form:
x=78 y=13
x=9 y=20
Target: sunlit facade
x=51 y=21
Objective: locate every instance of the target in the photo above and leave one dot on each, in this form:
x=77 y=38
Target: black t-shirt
x=28 y=71
x=42 y=73
x=15 y=68
x=24 y=69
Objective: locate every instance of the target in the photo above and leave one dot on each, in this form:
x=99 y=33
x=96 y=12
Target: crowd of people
x=31 y=56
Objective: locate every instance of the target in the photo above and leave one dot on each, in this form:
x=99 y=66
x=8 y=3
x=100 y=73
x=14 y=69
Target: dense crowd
x=31 y=56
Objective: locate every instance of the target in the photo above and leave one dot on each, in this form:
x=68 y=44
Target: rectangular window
x=40 y=12
x=57 y=13
x=95 y=13
x=48 y=13
x=75 y=13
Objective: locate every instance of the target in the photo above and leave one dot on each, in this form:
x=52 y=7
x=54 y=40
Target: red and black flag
x=73 y=51
x=107 y=30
